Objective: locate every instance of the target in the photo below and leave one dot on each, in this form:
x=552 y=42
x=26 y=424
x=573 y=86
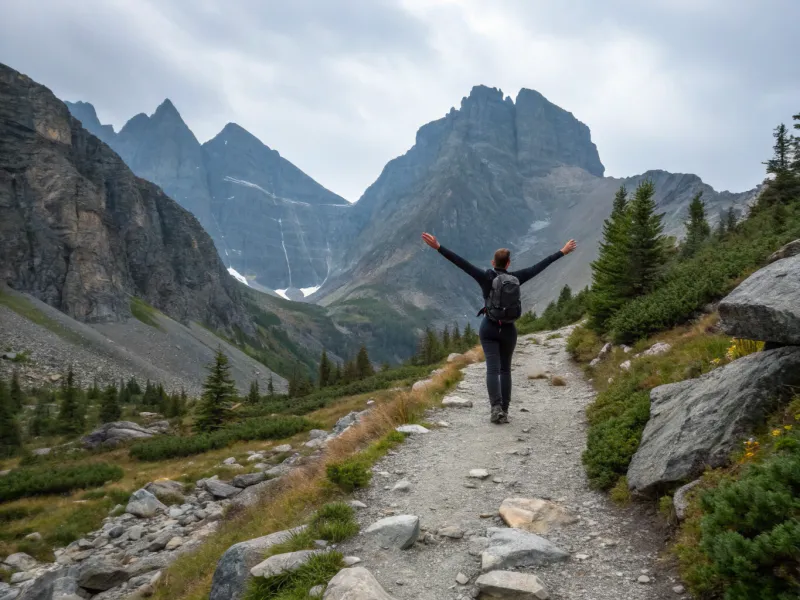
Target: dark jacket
x=484 y=277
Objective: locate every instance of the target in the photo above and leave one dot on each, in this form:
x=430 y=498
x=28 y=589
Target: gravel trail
x=537 y=455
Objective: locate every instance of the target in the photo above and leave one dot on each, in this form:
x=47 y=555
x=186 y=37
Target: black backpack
x=503 y=304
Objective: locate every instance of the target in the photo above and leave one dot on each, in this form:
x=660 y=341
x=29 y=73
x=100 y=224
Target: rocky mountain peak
x=87 y=115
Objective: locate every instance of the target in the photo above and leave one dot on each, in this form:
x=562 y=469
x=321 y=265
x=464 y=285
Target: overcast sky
x=339 y=87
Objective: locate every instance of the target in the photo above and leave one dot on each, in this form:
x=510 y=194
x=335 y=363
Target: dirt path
x=537 y=455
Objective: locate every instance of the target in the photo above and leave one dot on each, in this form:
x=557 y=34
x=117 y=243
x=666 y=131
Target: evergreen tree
x=610 y=277
x=385 y=366
x=254 y=394
x=697 y=228
x=363 y=364
x=93 y=393
x=336 y=378
x=564 y=297
x=10 y=437
x=446 y=339
x=350 y=373
x=151 y=397
x=270 y=386
x=218 y=390
x=470 y=337
x=456 y=339
x=133 y=387
x=645 y=250
x=324 y=370
x=785 y=183
x=71 y=413
x=16 y=396
x=731 y=220
x=163 y=399
x=779 y=163
x=109 y=406
x=183 y=402
x=125 y=396
x=40 y=421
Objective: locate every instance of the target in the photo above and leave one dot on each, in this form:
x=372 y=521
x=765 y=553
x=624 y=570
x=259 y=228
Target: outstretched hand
x=569 y=247
x=431 y=240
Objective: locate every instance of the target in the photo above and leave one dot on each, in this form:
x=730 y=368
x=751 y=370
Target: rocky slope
x=271 y=222
x=80 y=232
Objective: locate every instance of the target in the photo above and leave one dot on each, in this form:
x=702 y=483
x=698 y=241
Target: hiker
x=501 y=308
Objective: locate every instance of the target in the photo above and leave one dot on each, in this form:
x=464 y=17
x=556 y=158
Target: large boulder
x=248 y=479
x=787 y=251
x=220 y=489
x=53 y=585
x=97 y=575
x=395 y=532
x=166 y=490
x=233 y=569
x=20 y=561
x=509 y=548
x=696 y=423
x=766 y=305
x=144 y=504
x=355 y=583
x=511 y=586
x=112 y=434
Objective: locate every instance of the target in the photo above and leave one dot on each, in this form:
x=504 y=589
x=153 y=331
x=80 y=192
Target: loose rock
x=412 y=429
x=534 y=514
x=457 y=402
x=99 y=575
x=355 y=584
x=143 y=504
x=220 y=489
x=400 y=531
x=510 y=548
x=511 y=585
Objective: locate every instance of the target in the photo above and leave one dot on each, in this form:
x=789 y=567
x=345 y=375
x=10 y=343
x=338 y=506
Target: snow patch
x=238 y=276
x=537 y=225
x=310 y=290
x=282 y=294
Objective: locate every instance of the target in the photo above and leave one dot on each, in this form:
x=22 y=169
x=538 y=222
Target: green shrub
x=620 y=494
x=37 y=481
x=612 y=442
x=272 y=428
x=295 y=585
x=583 y=344
x=145 y=313
x=350 y=474
x=750 y=533
x=562 y=312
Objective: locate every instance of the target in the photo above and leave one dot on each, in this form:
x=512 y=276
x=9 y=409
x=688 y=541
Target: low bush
x=267 y=428
x=350 y=474
x=611 y=444
x=38 y=481
x=562 y=312
x=583 y=344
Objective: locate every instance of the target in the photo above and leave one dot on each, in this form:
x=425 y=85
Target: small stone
x=399 y=532
x=349 y=561
x=497 y=480
x=321 y=544
x=487 y=515
x=678 y=589
x=470 y=485
x=255 y=458
x=462 y=579
x=510 y=584
x=135 y=533
x=523 y=409
x=479 y=474
x=34 y=537
x=581 y=556
x=229 y=461
x=175 y=542
x=443 y=424
x=643 y=579
x=452 y=532
x=317 y=591
x=21 y=576
x=402 y=486
x=143 y=504
x=456 y=402
x=116 y=531
x=412 y=429
x=281 y=449
x=526 y=430
x=625 y=366
x=357 y=504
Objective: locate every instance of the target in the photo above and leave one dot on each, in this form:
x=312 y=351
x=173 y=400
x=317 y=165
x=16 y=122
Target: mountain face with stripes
x=274 y=226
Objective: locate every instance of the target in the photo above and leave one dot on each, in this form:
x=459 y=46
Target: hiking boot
x=497 y=414
x=504 y=417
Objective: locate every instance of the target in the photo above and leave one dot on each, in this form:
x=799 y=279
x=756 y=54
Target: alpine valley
x=149 y=219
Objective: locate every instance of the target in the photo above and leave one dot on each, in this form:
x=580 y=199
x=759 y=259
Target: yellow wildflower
x=787 y=427
x=776 y=432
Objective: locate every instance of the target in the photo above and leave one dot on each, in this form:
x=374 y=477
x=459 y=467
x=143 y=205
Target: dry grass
x=541 y=375
x=557 y=381
x=305 y=489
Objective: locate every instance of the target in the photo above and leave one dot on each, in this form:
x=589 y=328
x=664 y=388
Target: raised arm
x=529 y=273
x=477 y=274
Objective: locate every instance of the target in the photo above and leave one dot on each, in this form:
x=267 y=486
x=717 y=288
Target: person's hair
x=502 y=257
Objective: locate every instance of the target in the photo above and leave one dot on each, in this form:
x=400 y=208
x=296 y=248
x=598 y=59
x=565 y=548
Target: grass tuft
x=295 y=585
x=145 y=313
x=557 y=381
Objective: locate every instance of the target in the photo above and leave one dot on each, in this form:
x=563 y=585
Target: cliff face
x=81 y=232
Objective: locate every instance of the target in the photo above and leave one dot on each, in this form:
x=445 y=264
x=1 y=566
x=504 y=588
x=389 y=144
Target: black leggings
x=498 y=343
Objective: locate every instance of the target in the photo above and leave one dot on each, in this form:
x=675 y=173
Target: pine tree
x=610 y=276
x=218 y=390
x=152 y=396
x=324 y=370
x=645 y=242
x=697 y=228
x=470 y=337
x=564 y=297
x=71 y=414
x=270 y=386
x=785 y=183
x=93 y=393
x=350 y=372
x=163 y=399
x=446 y=339
x=336 y=377
x=794 y=165
x=16 y=396
x=133 y=387
x=363 y=364
x=779 y=163
x=10 y=436
x=731 y=220
x=40 y=421
x=109 y=406
x=254 y=394
x=456 y=339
